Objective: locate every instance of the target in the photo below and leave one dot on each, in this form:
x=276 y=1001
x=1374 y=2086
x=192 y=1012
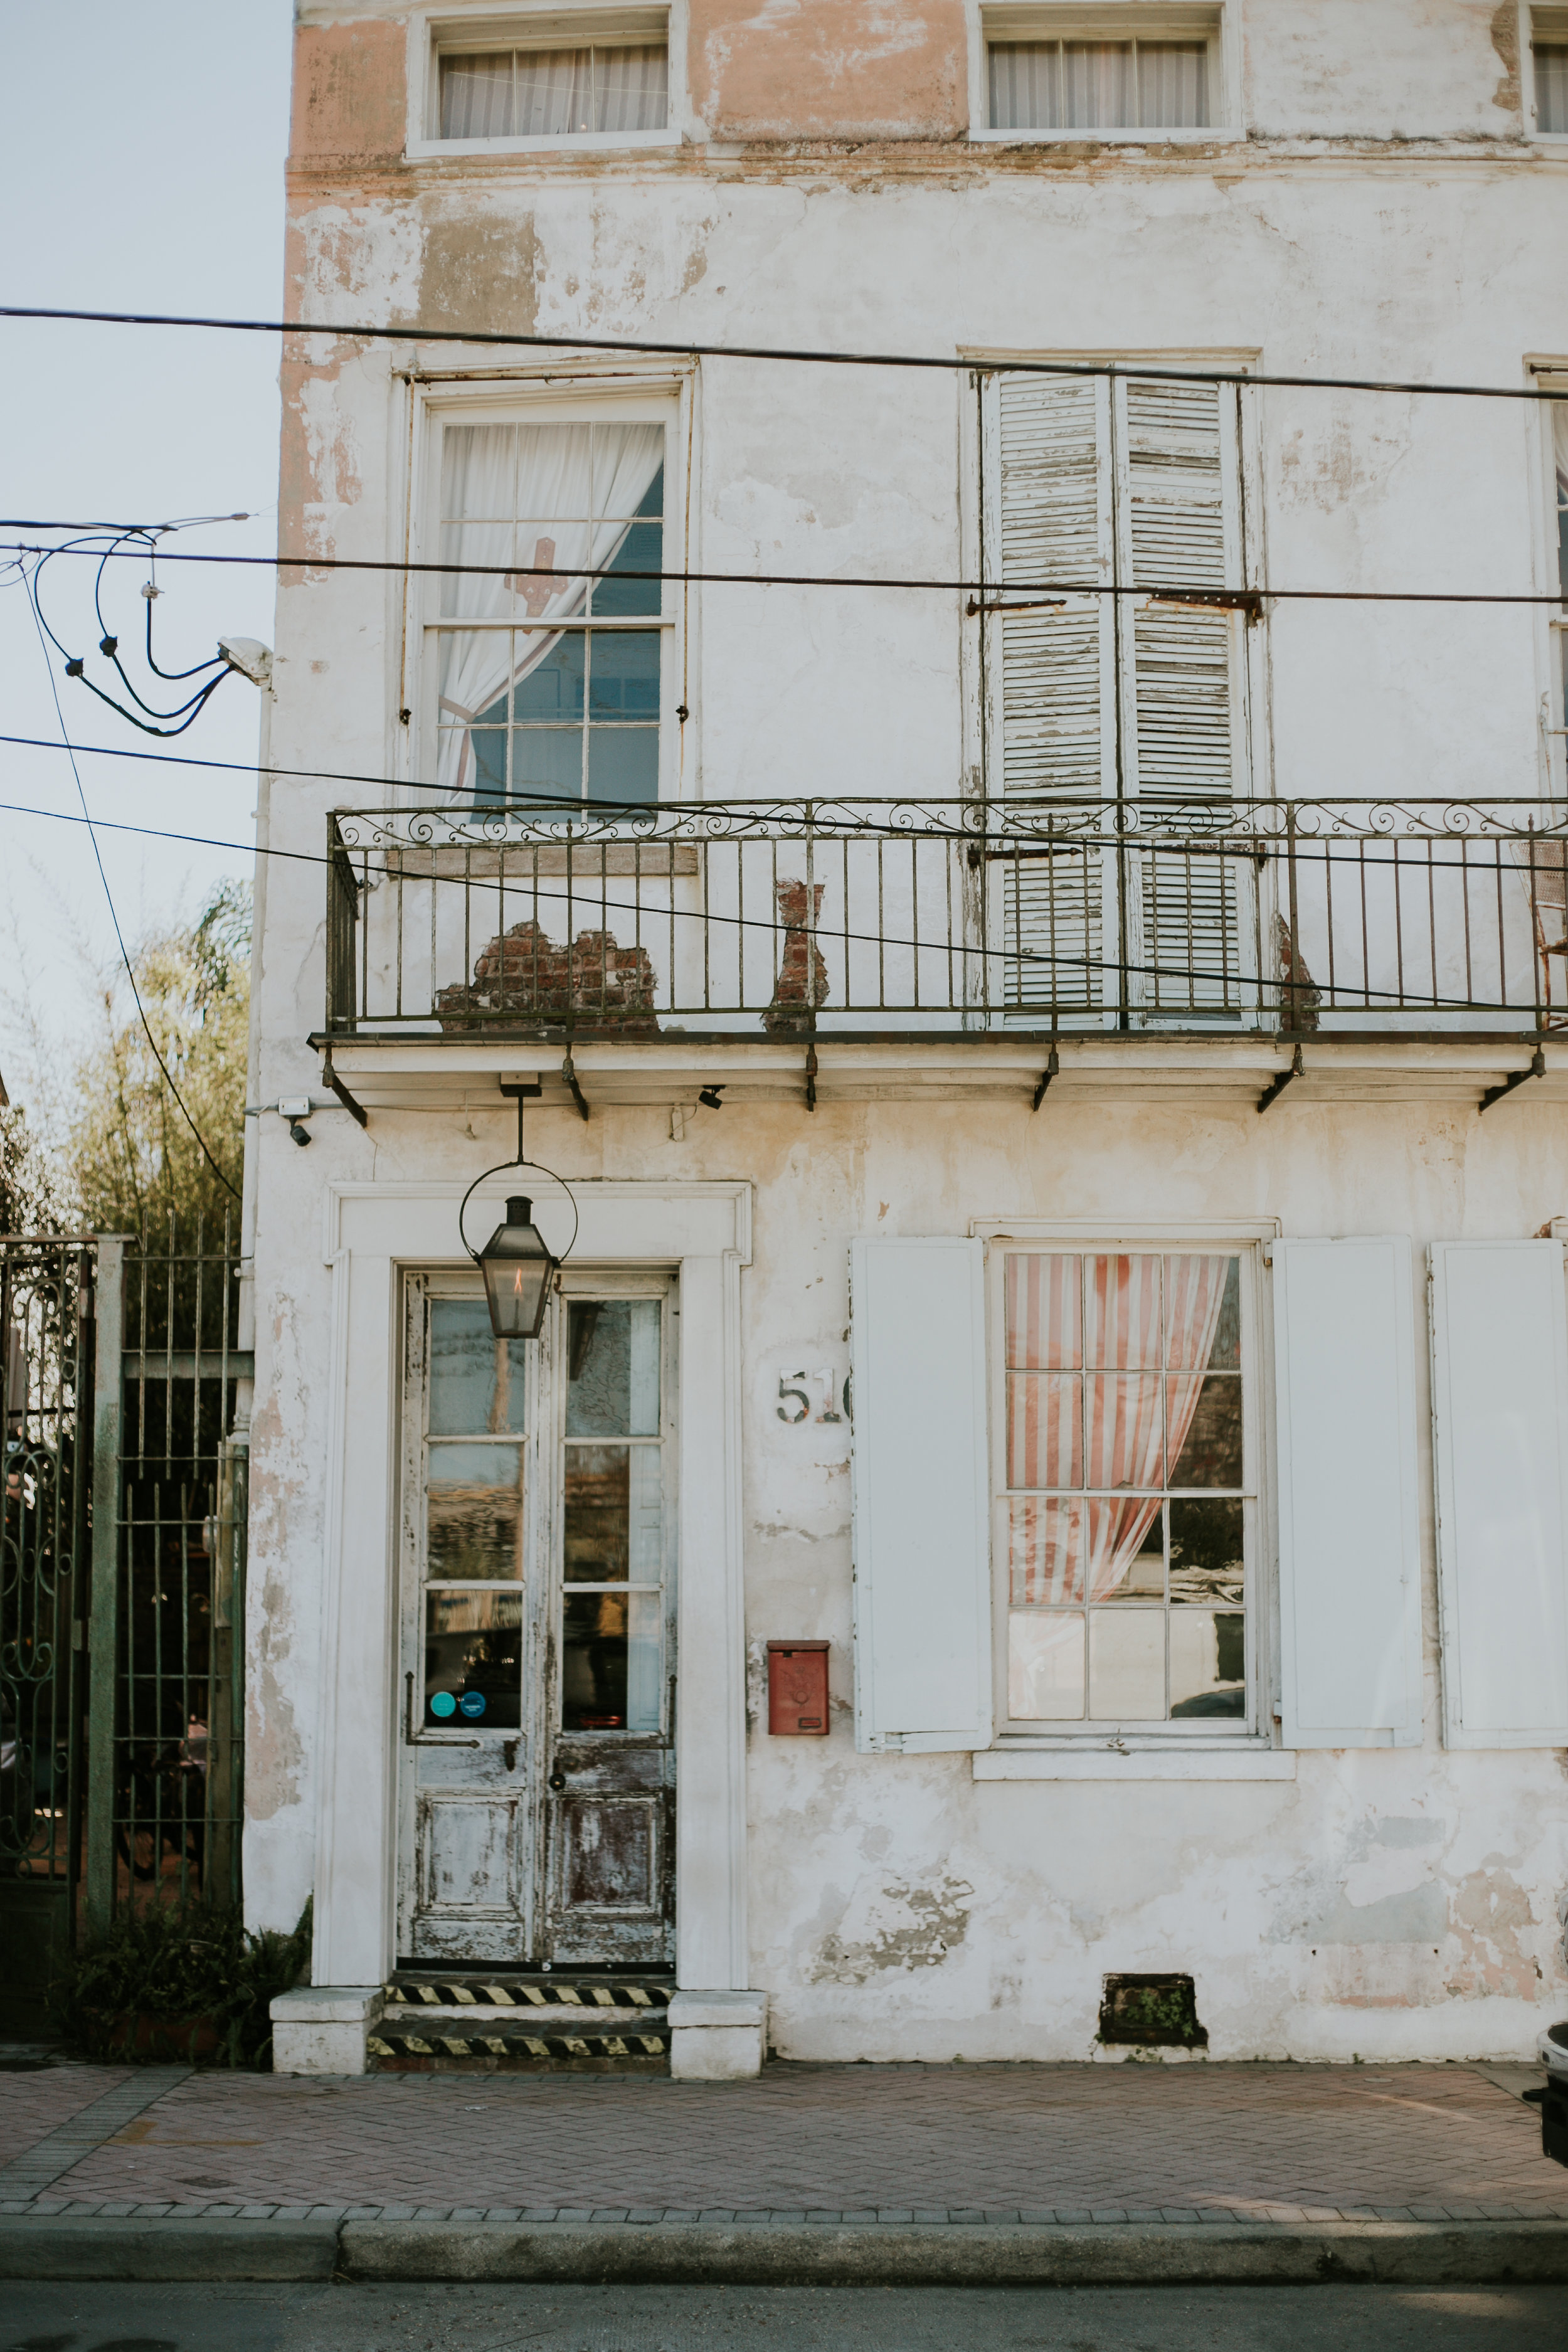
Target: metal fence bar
x=103 y=1617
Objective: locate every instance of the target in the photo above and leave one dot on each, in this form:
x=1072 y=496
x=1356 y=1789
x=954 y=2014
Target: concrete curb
x=1405 y=2253
x=68 y=2246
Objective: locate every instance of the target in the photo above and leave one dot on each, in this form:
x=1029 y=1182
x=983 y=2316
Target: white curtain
x=559 y=494
x=554 y=93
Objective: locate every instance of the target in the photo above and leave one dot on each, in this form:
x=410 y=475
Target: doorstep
x=765 y=2247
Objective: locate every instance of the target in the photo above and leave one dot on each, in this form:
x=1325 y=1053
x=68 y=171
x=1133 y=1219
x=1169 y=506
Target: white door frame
x=372 y=1233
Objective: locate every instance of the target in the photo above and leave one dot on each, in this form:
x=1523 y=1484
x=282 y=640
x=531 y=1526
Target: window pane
x=1123 y=1443
x=547 y=763
x=614 y=1518
x=1044 y=1668
x=1172 y=85
x=474 y=1512
x=1025 y=85
x=1045 y=1317
x=1127 y=1664
x=1096 y=85
x=631 y=87
x=1202 y=1314
x=475 y=1379
x=1552 y=86
x=473 y=1659
x=1121 y=1313
x=612 y=1350
x=622 y=766
x=475 y=96
x=1208 y=1663
x=552 y=688
x=1138 y=1569
x=625 y=683
x=1207 y=1559
x=1206 y=1429
x=642 y=550
x=610 y=1662
x=1047 y=1551
x=1045 y=1429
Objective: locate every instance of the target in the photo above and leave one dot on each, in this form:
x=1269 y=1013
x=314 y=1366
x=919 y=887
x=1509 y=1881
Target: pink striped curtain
x=1090 y=1362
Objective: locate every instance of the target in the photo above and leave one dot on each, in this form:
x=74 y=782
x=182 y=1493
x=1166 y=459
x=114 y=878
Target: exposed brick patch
x=802 y=982
x=596 y=983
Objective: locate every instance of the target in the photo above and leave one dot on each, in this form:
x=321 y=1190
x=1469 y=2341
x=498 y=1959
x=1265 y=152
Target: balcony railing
x=868 y=916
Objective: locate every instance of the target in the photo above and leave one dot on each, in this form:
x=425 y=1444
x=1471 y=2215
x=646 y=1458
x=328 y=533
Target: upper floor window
x=548 y=677
x=1549 y=47
x=539 y=91
x=1054 y=66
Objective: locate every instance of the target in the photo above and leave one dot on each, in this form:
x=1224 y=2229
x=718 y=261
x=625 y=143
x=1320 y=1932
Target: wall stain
x=895 y=1924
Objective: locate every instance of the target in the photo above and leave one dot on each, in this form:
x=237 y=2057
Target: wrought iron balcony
x=822 y=918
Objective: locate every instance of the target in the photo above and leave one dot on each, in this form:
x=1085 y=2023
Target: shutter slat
x=921 y=1546
x=1350 y=1593
x=1499 y=1419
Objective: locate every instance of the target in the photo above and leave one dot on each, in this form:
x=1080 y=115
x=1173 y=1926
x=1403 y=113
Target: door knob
x=558 y=1780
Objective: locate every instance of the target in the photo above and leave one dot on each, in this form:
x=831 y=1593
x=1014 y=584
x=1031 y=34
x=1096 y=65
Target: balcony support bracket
x=569 y=1072
x=331 y=1079
x=811 y=1077
x=1517 y=1078
x=1051 y=1070
x=1276 y=1086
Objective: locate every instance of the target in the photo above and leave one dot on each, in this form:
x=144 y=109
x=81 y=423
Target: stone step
x=512 y=1992
x=492 y=2042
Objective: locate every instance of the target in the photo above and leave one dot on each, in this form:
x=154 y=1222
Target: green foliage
x=175 y=1964
x=131 y=1153
x=32 y=1197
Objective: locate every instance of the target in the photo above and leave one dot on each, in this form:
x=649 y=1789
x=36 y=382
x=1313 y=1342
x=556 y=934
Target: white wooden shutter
x=1350 y=1556
x=1053 y=675
x=1500 y=1421
x=922 y=1594
x=1184 y=749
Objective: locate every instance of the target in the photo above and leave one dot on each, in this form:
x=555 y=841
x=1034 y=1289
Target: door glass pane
x=473 y=1502
x=473 y=1659
x=1045 y=1666
x=475 y=1379
x=612 y=1351
x=610 y=1662
x=614 y=1518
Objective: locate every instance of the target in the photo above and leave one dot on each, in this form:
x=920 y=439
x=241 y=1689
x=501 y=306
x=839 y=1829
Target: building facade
x=872 y=645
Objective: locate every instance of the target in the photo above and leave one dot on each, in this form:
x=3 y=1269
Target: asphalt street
x=202 y=2318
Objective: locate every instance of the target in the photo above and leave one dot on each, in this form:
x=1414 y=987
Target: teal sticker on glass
x=472 y=1703
x=443 y=1704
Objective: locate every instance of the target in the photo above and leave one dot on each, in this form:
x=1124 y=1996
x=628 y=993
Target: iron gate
x=121 y=1586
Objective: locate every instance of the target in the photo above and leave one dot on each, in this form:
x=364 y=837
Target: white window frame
x=1254 y=1734
x=573 y=398
x=545 y=24
x=1551 y=621
x=1111 y=20
x=1552 y=24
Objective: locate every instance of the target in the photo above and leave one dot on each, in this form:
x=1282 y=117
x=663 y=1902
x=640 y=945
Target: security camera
x=709 y=1098
x=296 y=1109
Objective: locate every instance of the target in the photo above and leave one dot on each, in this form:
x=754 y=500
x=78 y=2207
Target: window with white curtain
x=1100 y=85
x=1124 y=1496
x=1549 y=50
x=535 y=91
x=547 y=658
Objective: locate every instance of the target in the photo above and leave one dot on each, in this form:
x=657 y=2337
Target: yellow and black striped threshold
x=493 y=2021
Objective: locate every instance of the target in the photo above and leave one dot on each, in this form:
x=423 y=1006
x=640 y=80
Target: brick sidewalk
x=856 y=2142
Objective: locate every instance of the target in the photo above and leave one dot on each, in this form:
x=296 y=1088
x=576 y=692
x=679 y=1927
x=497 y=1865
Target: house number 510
x=794 y=1398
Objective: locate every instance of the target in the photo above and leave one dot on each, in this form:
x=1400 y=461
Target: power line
x=114 y=918
x=1206 y=599
x=1016 y=954
x=613 y=343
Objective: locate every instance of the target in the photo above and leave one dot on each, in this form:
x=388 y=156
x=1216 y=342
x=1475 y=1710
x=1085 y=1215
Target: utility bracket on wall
x=1276 y=1086
x=569 y=1072
x=1052 y=1069
x=811 y=1077
x=331 y=1079
x=1518 y=1078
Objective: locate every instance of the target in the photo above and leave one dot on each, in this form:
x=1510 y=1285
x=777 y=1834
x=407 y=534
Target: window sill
x=1210 y=135
x=579 y=142
x=1163 y=1763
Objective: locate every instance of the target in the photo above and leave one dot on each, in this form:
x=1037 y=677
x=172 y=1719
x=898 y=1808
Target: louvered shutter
x=1350 y=1559
x=1499 y=1420
x=1178 y=519
x=1052 y=681
x=922 y=1596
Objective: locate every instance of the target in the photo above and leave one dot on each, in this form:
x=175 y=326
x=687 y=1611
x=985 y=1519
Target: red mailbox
x=798 y=1689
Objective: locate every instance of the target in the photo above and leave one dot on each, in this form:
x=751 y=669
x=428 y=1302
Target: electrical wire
x=113 y=917
x=1110 y=965
x=1208 y=599
x=615 y=343
x=145 y=538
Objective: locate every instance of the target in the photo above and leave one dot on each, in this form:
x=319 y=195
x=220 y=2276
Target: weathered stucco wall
x=1389 y=1904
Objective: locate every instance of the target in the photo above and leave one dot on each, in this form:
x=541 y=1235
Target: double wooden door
x=537 y=1682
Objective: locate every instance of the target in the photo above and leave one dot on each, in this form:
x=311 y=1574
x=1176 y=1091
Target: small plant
x=179 y=1980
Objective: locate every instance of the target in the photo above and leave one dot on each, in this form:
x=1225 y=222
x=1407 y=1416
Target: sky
x=158 y=187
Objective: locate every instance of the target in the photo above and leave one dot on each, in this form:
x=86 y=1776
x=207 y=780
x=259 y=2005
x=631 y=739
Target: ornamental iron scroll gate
x=121 y=1588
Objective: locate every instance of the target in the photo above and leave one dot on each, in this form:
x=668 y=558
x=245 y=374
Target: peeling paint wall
x=1387 y=1904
